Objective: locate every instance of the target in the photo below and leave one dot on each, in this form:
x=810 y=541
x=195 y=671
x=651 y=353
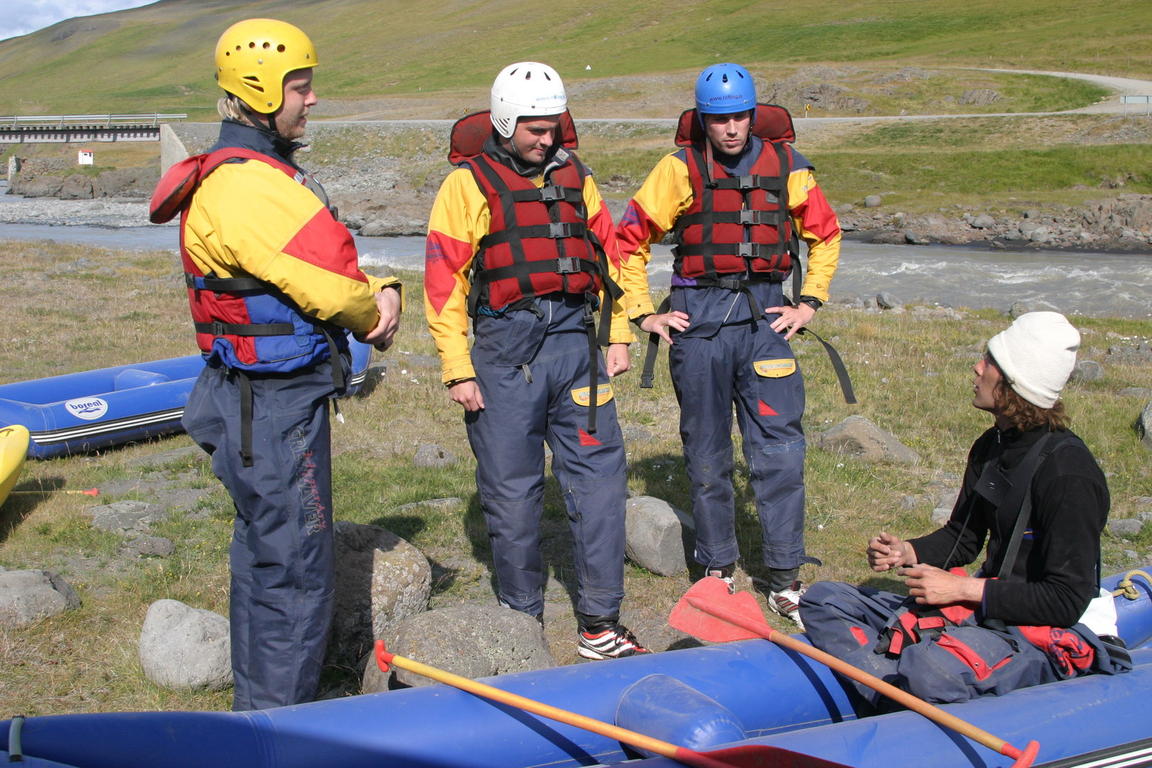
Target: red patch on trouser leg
x=587 y=439
x=858 y=635
x=767 y=410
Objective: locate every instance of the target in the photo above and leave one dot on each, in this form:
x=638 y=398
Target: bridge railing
x=63 y=121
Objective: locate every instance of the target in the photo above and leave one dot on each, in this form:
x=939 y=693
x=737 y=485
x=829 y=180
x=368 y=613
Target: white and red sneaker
x=786 y=602
x=614 y=641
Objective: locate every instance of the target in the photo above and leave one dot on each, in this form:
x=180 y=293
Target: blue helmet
x=723 y=89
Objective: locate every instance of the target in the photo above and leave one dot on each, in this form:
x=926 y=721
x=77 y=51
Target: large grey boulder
x=655 y=535
x=858 y=437
x=26 y=597
x=468 y=640
x=380 y=579
x=184 y=648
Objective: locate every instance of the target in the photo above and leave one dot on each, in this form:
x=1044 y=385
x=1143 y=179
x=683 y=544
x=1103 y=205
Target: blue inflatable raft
x=90 y=410
x=748 y=692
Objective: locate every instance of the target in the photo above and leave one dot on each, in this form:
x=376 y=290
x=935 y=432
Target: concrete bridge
x=30 y=129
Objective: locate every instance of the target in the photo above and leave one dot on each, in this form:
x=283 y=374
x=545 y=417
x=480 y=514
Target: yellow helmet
x=253 y=57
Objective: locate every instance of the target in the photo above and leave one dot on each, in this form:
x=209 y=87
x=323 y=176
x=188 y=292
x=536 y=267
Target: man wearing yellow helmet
x=274 y=284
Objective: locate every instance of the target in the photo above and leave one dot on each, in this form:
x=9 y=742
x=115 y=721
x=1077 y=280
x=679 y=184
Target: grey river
x=1086 y=283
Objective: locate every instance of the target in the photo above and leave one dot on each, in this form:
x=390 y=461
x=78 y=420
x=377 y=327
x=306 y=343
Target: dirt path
x=1122 y=86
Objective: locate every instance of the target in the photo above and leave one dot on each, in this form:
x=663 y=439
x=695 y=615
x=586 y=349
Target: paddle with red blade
x=747 y=756
x=707 y=611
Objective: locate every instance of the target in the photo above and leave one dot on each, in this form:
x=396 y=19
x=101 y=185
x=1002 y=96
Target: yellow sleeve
x=459 y=219
x=600 y=223
x=816 y=223
x=661 y=199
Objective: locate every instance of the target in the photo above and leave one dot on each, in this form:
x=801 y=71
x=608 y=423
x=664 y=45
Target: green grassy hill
x=158 y=58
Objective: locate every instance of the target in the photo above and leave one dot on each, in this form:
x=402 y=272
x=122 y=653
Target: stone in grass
x=185 y=648
x=27 y=597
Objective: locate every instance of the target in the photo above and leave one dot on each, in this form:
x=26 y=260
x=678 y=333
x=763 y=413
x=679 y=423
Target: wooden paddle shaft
x=624 y=735
x=931 y=711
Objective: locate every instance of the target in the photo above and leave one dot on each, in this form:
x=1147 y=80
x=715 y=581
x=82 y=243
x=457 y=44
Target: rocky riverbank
x=1121 y=223
x=376 y=197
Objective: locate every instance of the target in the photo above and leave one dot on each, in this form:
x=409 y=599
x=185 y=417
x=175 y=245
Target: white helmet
x=526 y=89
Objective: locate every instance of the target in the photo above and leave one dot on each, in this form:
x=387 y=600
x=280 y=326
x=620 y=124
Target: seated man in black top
x=1033 y=612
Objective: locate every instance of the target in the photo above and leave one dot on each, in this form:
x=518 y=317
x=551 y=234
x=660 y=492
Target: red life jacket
x=538 y=241
x=222 y=308
x=737 y=225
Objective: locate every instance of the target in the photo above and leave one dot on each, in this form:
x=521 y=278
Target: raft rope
x=1126 y=588
x=15 y=750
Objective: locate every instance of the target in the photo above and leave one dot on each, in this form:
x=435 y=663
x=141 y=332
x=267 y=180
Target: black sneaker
x=725 y=575
x=614 y=641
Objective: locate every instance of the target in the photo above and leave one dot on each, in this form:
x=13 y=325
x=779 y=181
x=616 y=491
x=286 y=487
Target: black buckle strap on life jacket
x=647 y=372
x=224 y=284
x=549 y=193
x=837 y=365
x=745 y=216
x=742 y=286
x=747 y=251
x=790 y=243
x=339 y=381
x=593 y=365
x=235 y=285
x=245 y=416
x=217 y=328
x=558 y=230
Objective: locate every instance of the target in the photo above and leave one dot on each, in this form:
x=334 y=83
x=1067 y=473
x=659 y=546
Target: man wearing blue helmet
x=737 y=199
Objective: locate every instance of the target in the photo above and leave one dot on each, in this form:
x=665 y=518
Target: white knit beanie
x=1037 y=354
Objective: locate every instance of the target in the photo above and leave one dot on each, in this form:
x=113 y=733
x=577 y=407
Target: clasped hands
x=927 y=584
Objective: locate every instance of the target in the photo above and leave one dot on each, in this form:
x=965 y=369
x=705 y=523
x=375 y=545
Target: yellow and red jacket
x=750 y=231
x=270 y=271
x=474 y=220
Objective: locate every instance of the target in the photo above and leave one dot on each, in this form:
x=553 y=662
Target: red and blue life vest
x=244 y=322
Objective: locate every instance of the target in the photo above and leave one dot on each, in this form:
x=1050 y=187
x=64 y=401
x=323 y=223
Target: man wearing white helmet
x=520 y=242
x=1034 y=611
x=273 y=284
x=737 y=199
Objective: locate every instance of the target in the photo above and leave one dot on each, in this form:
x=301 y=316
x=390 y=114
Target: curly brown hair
x=1023 y=415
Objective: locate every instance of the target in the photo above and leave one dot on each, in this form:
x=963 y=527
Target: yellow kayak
x=13 y=450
